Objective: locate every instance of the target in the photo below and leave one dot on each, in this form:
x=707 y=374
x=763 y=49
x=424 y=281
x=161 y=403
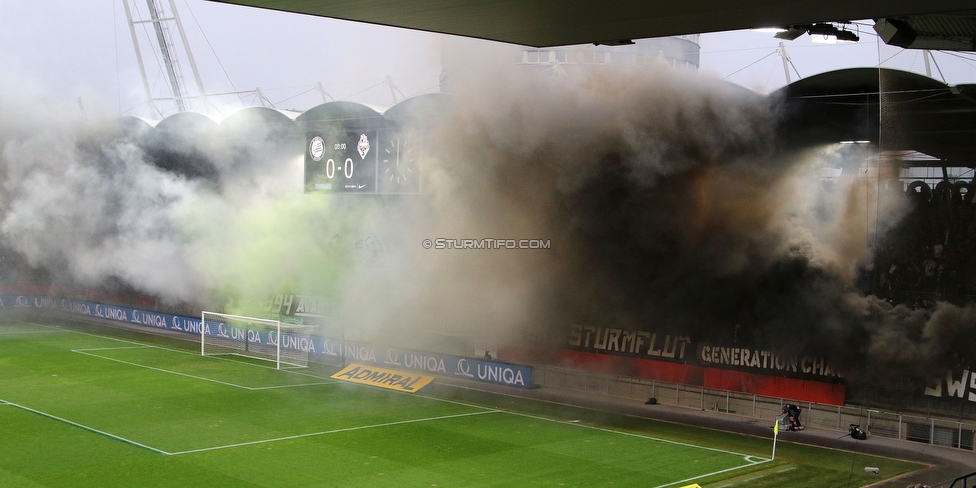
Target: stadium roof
x=919 y=113
x=935 y=24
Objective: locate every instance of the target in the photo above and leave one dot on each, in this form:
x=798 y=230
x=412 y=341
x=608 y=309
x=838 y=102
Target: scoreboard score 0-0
x=341 y=163
x=351 y=161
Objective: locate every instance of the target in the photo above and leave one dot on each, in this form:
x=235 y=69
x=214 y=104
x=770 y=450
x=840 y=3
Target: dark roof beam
x=899 y=32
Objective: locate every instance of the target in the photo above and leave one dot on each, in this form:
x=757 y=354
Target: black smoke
x=672 y=203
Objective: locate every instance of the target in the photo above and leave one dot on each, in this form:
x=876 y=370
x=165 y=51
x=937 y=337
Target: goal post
x=279 y=342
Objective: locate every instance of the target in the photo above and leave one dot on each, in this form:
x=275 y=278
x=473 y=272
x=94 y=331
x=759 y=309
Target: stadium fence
x=894 y=425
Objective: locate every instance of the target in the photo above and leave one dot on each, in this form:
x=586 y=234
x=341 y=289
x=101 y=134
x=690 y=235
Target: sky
x=68 y=50
x=740 y=57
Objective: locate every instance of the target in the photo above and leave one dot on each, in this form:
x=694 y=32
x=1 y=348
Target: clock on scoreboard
x=398 y=165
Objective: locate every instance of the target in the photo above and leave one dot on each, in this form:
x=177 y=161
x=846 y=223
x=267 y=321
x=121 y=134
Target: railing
x=929 y=430
x=964 y=479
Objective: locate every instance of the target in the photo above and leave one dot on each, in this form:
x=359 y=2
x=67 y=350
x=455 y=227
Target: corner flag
x=775 y=435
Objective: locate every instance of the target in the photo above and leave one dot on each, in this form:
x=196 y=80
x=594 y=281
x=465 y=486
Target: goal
x=284 y=344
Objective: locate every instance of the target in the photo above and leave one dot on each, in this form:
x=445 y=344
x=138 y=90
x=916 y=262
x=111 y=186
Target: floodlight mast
x=189 y=53
x=166 y=50
x=142 y=67
x=165 y=47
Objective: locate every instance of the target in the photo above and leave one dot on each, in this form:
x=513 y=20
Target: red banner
x=714 y=378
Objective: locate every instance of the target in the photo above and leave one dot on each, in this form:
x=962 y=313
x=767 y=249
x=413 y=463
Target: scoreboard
x=362 y=161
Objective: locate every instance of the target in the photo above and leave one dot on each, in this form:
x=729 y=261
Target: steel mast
x=164 y=44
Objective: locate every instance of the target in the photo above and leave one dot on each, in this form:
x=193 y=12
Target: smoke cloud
x=671 y=205
x=669 y=200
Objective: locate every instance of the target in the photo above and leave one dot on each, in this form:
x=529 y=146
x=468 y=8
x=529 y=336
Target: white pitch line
x=29 y=332
x=641 y=436
x=291 y=386
x=289 y=371
x=164 y=370
x=335 y=431
x=711 y=474
x=249 y=388
x=221 y=358
x=444 y=400
x=62 y=329
x=153 y=346
x=747 y=458
x=85 y=427
x=109 y=348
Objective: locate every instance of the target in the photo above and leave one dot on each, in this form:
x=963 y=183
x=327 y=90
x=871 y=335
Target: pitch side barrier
x=496 y=372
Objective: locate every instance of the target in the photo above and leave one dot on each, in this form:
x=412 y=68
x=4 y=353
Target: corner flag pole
x=775 y=435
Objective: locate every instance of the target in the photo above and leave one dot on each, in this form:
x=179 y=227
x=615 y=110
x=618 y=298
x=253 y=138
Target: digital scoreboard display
x=351 y=161
x=341 y=162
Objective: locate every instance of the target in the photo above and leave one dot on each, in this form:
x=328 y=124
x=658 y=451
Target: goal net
x=272 y=340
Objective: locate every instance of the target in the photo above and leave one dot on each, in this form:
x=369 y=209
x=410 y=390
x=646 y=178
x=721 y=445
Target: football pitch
x=84 y=406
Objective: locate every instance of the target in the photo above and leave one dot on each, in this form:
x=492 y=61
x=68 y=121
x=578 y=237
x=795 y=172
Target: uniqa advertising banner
x=476 y=369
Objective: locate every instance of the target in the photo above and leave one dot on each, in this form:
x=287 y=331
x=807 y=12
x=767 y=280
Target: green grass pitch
x=83 y=406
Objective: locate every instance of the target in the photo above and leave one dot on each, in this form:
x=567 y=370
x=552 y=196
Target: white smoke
x=667 y=198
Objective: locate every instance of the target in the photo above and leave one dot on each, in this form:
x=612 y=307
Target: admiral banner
x=384 y=378
x=476 y=369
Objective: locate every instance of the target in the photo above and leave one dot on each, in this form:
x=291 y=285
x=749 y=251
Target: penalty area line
x=201 y=378
x=68 y=330
x=161 y=348
x=85 y=427
x=27 y=332
x=334 y=431
x=109 y=348
x=161 y=370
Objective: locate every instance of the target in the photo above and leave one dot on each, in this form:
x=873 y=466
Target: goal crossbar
x=271 y=340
